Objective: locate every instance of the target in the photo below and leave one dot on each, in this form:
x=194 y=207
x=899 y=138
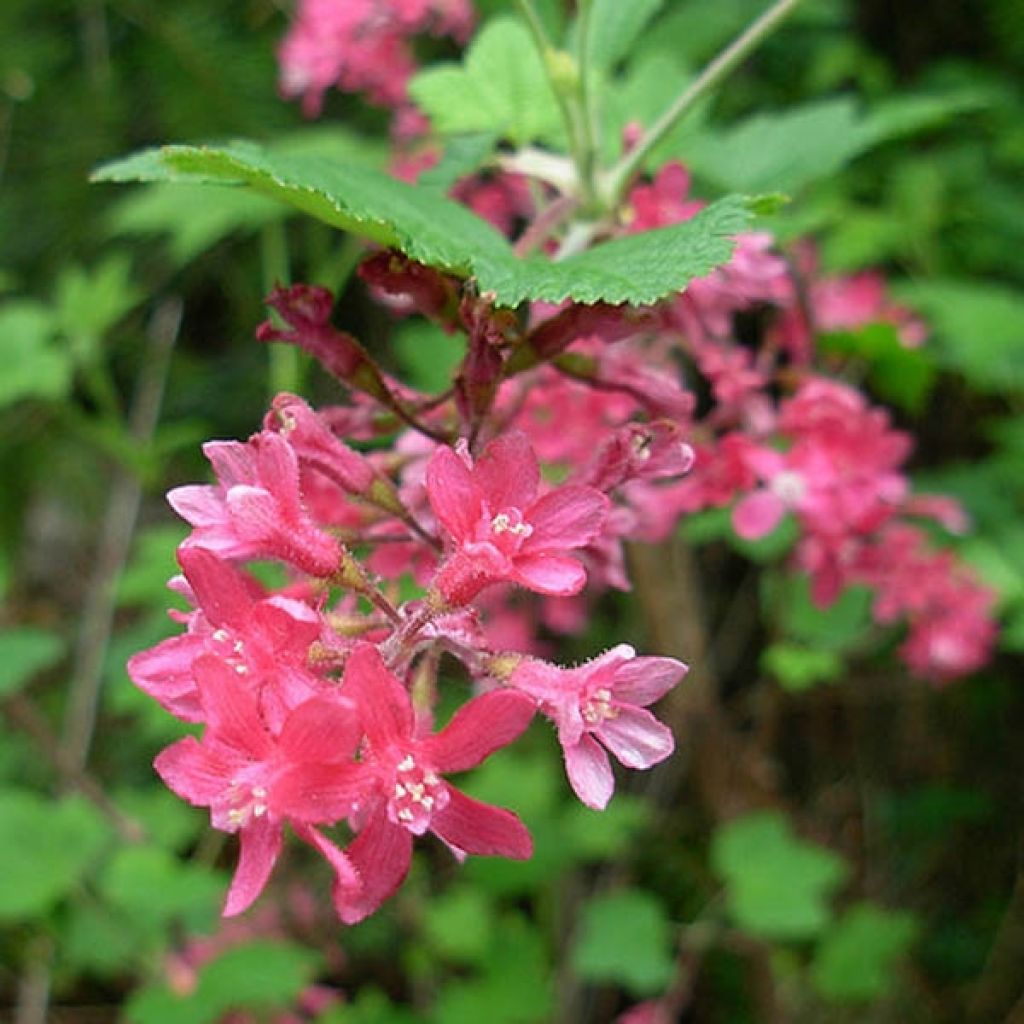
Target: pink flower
x=255 y=510
x=253 y=781
x=501 y=530
x=405 y=794
x=601 y=705
x=261 y=639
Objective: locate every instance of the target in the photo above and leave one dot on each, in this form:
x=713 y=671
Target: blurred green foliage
x=900 y=141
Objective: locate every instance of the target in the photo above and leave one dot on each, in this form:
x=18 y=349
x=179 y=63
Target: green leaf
x=979 y=329
x=838 y=627
x=639 y=268
x=153 y=889
x=152 y=564
x=46 y=850
x=799 y=668
x=777 y=885
x=89 y=302
x=791 y=149
x=615 y=27
x=625 y=937
x=501 y=87
x=261 y=976
x=34 y=367
x=458 y=924
x=857 y=956
x=24 y=652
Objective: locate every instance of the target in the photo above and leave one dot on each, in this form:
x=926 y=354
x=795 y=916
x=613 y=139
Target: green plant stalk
x=587 y=115
x=284 y=372
x=727 y=61
x=569 y=106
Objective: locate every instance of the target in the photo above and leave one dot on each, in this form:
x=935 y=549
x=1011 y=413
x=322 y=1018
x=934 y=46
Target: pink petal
x=321 y=730
x=568 y=517
x=507 y=472
x=590 y=773
x=483 y=725
x=231 y=709
x=278 y=468
x=757 y=514
x=165 y=673
x=195 y=772
x=198 y=504
x=233 y=462
x=557 y=575
x=320 y=792
x=480 y=828
x=636 y=738
x=259 y=846
x=381 y=854
x=384 y=706
x=454 y=496
x=220 y=589
x=642 y=681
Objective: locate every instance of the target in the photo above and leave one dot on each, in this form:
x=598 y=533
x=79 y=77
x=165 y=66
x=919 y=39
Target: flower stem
x=733 y=55
x=568 y=101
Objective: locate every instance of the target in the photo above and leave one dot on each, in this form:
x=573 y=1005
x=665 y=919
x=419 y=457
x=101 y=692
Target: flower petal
x=642 y=681
x=507 y=472
x=384 y=706
x=557 y=575
x=454 y=496
x=481 y=828
x=321 y=793
x=195 y=772
x=636 y=738
x=259 y=846
x=232 y=710
x=757 y=514
x=347 y=883
x=567 y=517
x=321 y=730
x=477 y=729
x=220 y=589
x=381 y=854
x=590 y=773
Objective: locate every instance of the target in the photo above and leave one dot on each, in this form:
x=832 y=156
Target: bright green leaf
x=857 y=956
x=979 y=329
x=777 y=885
x=24 y=652
x=47 y=847
x=459 y=924
x=625 y=937
x=615 y=27
x=639 y=268
x=427 y=355
x=89 y=302
x=34 y=367
x=799 y=668
x=838 y=627
x=501 y=87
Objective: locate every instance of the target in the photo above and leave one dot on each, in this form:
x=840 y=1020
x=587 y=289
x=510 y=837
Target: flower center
x=511 y=521
x=598 y=707
x=418 y=794
x=230 y=649
x=244 y=802
x=789 y=486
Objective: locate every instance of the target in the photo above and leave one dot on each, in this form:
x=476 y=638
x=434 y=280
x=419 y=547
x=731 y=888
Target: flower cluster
x=316 y=698
x=362 y=46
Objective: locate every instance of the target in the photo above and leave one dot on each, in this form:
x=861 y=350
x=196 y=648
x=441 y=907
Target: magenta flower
x=405 y=793
x=255 y=510
x=258 y=637
x=253 y=781
x=502 y=532
x=601 y=705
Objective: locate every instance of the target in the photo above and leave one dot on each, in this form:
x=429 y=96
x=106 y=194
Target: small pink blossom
x=600 y=706
x=254 y=781
x=405 y=794
x=500 y=530
x=256 y=509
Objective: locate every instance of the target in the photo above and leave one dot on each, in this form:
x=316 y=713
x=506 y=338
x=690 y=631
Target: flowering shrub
x=582 y=451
